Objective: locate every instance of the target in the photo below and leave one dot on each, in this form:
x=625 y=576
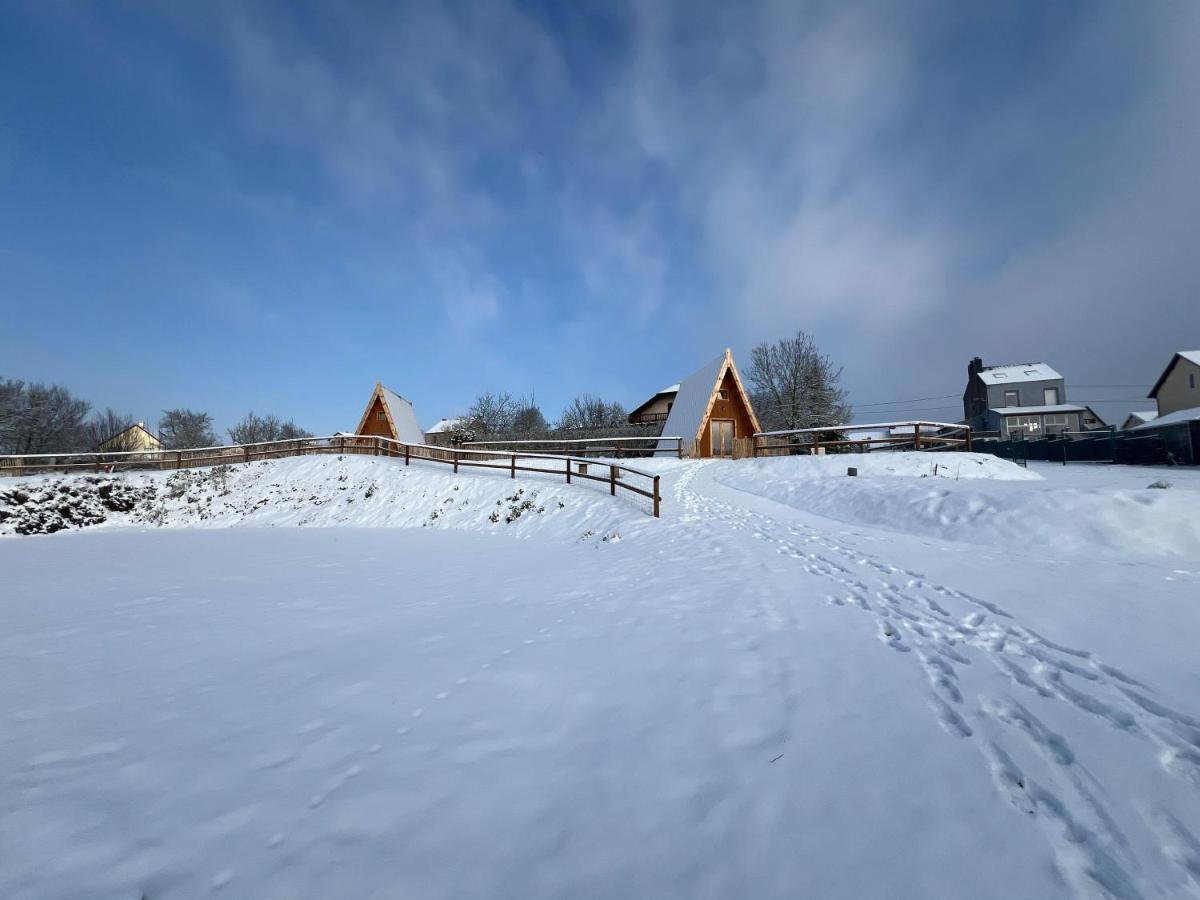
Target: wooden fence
x=597 y=446
x=898 y=436
x=617 y=476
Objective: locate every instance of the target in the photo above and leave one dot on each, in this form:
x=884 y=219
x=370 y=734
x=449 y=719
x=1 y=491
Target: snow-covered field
x=794 y=684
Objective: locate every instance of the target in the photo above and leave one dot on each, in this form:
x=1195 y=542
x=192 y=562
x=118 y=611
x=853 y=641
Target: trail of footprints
x=914 y=616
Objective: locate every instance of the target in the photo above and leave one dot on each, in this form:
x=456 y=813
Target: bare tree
x=12 y=412
x=182 y=429
x=528 y=420
x=794 y=385
x=104 y=426
x=38 y=418
x=491 y=414
x=254 y=429
x=589 y=411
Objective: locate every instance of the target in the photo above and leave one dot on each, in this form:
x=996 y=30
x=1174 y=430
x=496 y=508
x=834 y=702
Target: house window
x=1020 y=427
x=1012 y=398
x=1050 y=396
x=381 y=416
x=1057 y=424
x=722 y=395
x=1192 y=380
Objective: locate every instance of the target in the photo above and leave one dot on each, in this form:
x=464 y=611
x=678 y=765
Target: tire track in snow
x=914 y=615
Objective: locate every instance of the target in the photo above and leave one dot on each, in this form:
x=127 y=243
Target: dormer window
x=722 y=395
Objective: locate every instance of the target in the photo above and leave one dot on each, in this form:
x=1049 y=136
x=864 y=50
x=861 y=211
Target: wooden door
x=722 y=436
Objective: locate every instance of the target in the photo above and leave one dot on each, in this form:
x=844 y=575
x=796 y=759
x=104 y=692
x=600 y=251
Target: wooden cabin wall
x=376 y=425
x=730 y=408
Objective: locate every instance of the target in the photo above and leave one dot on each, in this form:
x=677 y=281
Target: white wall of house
x=1181 y=389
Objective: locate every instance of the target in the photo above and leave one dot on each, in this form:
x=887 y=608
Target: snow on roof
x=1037 y=410
x=690 y=403
x=670 y=389
x=403 y=416
x=1192 y=356
x=443 y=425
x=1144 y=415
x=1016 y=374
x=1180 y=415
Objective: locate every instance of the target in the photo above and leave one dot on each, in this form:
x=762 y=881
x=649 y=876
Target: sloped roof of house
x=137 y=426
x=1180 y=415
x=694 y=399
x=400 y=415
x=1017 y=374
x=1038 y=410
x=1192 y=356
x=443 y=425
x=668 y=391
x=1141 y=417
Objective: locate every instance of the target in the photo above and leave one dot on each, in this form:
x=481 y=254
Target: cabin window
x=722 y=395
x=1012 y=398
x=1050 y=395
x=381 y=416
x=1192 y=380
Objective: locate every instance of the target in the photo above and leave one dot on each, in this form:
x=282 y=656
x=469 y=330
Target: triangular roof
x=1192 y=356
x=136 y=426
x=400 y=415
x=694 y=401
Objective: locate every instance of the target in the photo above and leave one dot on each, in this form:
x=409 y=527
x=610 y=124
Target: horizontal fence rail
x=617 y=476
x=926 y=436
x=597 y=446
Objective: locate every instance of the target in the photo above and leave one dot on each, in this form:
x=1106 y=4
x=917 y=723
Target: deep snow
x=743 y=699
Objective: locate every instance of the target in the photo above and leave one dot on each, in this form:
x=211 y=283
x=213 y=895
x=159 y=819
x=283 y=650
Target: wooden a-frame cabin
x=711 y=410
x=390 y=415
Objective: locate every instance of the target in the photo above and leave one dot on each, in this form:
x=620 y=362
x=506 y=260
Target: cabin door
x=722 y=437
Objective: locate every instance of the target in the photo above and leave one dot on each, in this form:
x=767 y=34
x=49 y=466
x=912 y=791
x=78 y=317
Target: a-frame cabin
x=711 y=410
x=390 y=415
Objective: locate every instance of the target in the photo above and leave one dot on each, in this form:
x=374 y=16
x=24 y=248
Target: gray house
x=1023 y=401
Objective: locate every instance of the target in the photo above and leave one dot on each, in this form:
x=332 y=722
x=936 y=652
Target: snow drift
x=981 y=499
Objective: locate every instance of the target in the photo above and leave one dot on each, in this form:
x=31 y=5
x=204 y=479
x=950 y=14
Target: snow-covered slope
x=743 y=699
x=980 y=499
x=351 y=491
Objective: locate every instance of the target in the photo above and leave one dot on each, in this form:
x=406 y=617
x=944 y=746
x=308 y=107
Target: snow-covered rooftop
x=1180 y=415
x=405 y=419
x=1016 y=374
x=691 y=402
x=1038 y=410
x=1192 y=356
x=443 y=425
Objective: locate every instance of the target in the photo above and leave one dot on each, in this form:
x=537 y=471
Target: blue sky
x=271 y=206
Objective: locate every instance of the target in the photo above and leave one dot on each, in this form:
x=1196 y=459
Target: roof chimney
x=974 y=367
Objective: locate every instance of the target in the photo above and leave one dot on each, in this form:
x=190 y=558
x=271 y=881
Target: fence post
x=246 y=454
x=679 y=447
x=968 y=439
x=657 y=497
x=343 y=446
x=917 y=436
x=514 y=465
x=618 y=450
x=406 y=449
x=455 y=462
x=179 y=459
x=568 y=470
x=612 y=480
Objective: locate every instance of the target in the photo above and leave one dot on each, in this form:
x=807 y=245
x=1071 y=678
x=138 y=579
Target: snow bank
x=980 y=499
x=351 y=491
